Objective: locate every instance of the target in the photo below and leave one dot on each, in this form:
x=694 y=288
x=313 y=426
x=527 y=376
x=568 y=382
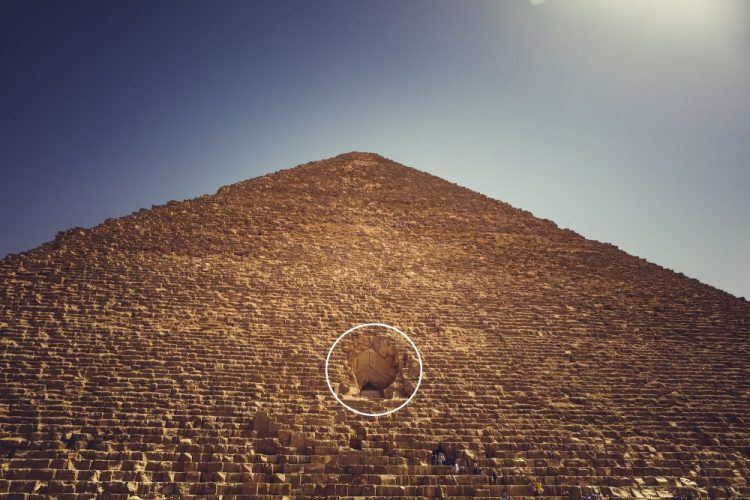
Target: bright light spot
x=690 y=21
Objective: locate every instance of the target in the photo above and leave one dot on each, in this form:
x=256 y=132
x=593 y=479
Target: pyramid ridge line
x=329 y=162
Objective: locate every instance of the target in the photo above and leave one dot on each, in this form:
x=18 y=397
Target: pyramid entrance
x=374 y=371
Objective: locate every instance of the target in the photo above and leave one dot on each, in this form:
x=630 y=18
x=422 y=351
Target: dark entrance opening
x=370 y=391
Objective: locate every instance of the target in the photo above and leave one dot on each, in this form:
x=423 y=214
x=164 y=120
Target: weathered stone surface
x=179 y=351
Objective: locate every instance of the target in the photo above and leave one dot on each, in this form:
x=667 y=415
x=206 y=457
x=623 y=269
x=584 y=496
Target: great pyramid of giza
x=181 y=351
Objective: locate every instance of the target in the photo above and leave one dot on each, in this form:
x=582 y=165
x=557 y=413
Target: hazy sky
x=626 y=121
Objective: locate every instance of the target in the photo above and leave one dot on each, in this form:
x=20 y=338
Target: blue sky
x=627 y=121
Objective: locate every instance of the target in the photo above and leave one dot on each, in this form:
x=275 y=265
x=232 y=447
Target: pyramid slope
x=180 y=350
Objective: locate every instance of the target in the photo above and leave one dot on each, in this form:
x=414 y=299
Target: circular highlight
x=388 y=412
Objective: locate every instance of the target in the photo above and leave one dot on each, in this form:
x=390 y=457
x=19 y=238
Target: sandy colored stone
x=180 y=350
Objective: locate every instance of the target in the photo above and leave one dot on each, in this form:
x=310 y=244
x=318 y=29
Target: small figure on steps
x=476 y=469
x=538 y=490
x=436 y=454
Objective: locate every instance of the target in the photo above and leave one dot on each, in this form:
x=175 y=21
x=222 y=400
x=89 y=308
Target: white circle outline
x=357 y=327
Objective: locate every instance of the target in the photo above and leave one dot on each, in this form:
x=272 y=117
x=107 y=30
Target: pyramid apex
x=358 y=156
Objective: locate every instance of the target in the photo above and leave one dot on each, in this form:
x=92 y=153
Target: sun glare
x=705 y=22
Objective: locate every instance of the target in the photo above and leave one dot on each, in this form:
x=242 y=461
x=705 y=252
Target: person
x=455 y=466
x=436 y=453
x=493 y=478
x=538 y=491
x=476 y=469
x=504 y=496
x=441 y=458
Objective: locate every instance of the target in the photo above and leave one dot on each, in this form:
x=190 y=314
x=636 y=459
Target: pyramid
x=181 y=350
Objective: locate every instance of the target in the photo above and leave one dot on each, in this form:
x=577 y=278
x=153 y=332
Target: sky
x=627 y=121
